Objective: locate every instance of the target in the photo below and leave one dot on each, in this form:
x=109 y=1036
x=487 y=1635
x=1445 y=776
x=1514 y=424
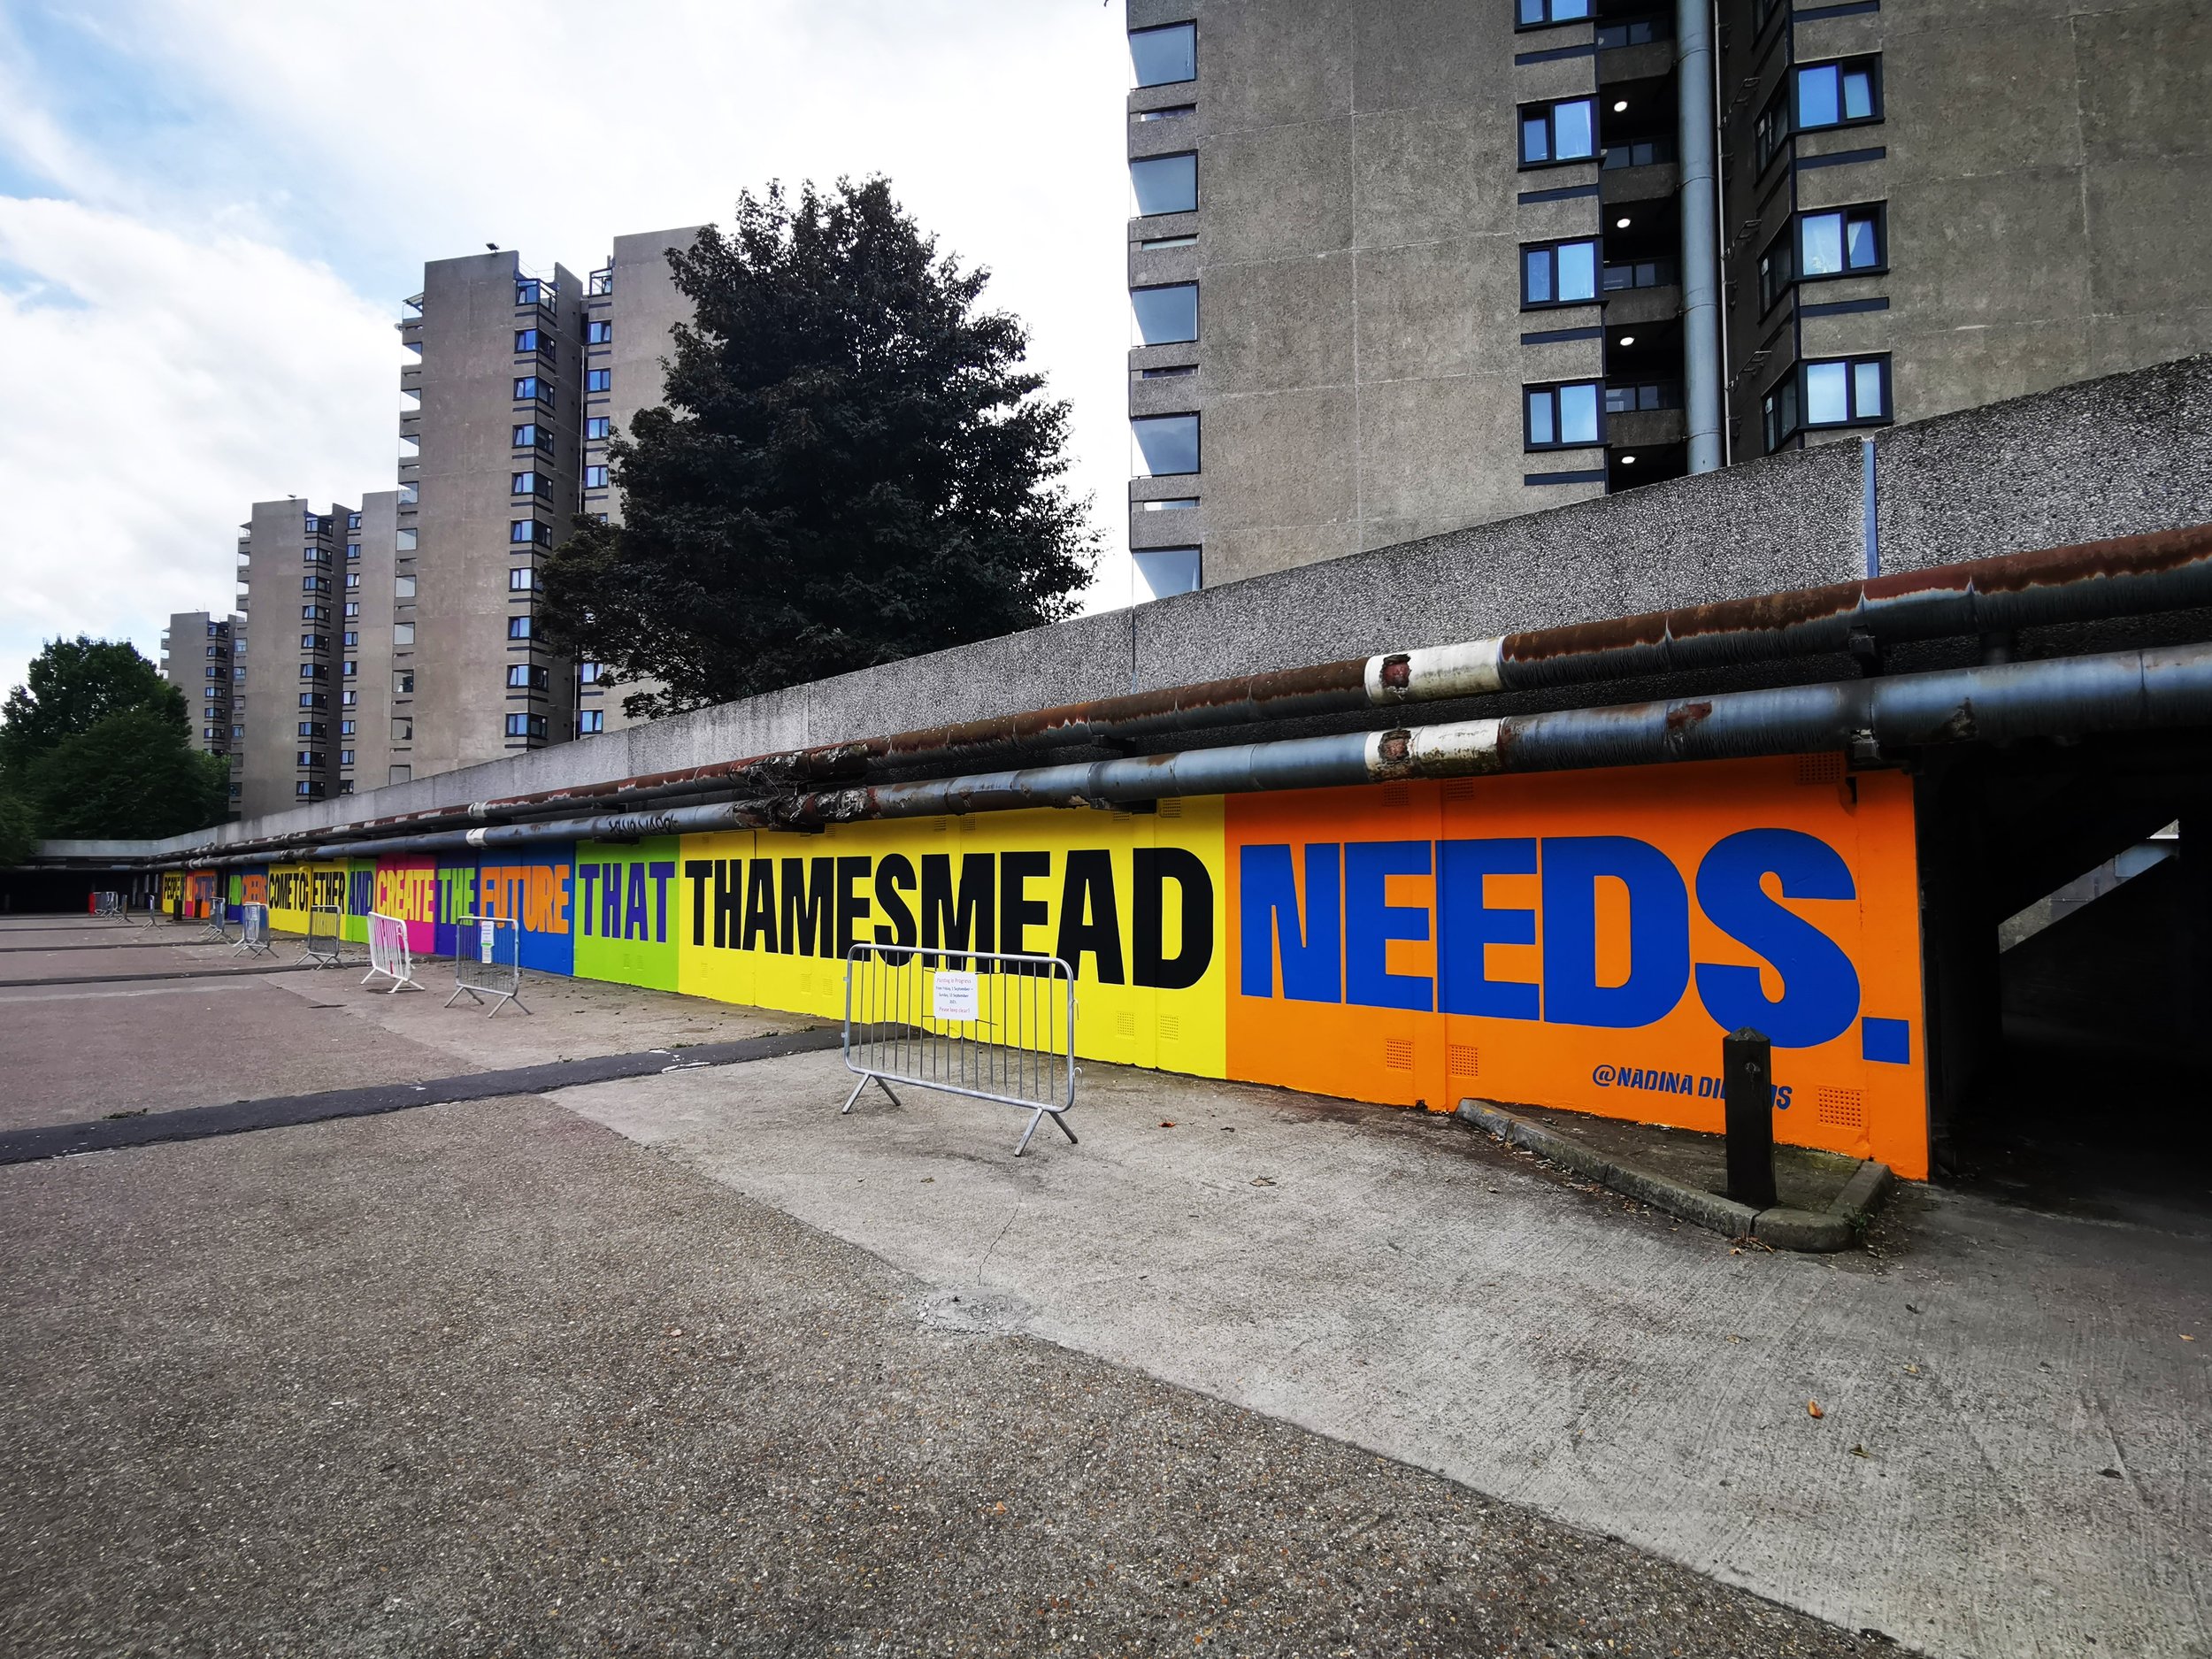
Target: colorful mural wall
x=1579 y=940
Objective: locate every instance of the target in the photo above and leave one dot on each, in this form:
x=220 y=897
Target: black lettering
x=1018 y=912
x=851 y=906
x=760 y=906
x=729 y=905
x=806 y=905
x=1089 y=920
x=895 y=879
x=964 y=924
x=696 y=870
x=1156 y=866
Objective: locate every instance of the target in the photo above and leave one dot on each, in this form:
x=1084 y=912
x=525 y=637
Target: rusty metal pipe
x=2130 y=575
x=2065 y=696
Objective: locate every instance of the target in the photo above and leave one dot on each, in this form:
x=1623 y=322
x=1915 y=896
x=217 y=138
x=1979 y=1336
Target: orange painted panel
x=1584 y=940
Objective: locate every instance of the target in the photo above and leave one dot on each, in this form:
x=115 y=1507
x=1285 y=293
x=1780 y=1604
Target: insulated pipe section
x=2133 y=575
x=2120 y=692
x=2130 y=575
x=1701 y=241
x=2125 y=691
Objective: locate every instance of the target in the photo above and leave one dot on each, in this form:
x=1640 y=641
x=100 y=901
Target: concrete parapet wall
x=2113 y=456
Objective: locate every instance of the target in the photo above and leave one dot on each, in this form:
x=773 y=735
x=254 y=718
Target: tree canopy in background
x=851 y=467
x=95 y=743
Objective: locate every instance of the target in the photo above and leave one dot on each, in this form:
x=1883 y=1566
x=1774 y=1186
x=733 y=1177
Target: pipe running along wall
x=2065 y=696
x=2126 y=576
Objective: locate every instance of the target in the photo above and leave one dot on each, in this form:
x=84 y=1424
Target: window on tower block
x=596 y=477
x=598 y=380
x=1535 y=14
x=591 y=720
x=1164 y=56
x=1164 y=184
x=1563 y=417
x=1165 y=316
x=597 y=427
x=1566 y=130
x=1163 y=445
x=518 y=627
x=598 y=332
x=1559 y=273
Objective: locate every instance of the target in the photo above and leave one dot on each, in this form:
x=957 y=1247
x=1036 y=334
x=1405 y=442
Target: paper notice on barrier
x=485 y=934
x=954 y=996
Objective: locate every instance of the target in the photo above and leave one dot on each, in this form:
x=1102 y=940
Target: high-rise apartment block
x=1398 y=269
x=203 y=657
x=305 y=698
x=631 y=305
x=417 y=646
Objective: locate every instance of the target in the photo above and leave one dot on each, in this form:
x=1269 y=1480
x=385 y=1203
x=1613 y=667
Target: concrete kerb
x=1782 y=1228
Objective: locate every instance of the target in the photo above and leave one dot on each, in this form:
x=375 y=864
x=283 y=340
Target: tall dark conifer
x=851 y=466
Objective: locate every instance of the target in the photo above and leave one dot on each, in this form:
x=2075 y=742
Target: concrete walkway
x=2013 y=1433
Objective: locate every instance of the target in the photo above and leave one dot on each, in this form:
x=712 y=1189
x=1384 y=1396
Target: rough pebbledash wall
x=2113 y=456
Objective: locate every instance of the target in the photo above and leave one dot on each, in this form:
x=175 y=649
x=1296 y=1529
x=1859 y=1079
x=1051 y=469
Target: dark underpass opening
x=2069 y=959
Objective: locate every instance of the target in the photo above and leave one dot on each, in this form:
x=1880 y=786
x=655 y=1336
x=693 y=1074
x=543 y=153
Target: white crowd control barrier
x=997 y=1027
x=487 y=962
x=253 y=931
x=107 y=904
x=323 y=922
x=387 y=953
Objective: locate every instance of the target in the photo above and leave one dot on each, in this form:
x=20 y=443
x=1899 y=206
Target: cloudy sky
x=210 y=210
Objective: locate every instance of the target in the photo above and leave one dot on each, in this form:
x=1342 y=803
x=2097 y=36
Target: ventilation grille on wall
x=1459 y=790
x=1839 y=1108
x=1820 y=768
x=1124 y=1025
x=1171 y=808
x=1171 y=1028
x=1397 y=795
x=1464 y=1058
x=1398 y=1053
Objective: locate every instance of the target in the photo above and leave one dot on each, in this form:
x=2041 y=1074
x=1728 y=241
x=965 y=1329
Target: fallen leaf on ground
x=1167 y=1123
x=1861 y=1451
x=1812 y=1408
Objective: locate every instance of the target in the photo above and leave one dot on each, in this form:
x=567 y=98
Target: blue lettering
x=1370 y=922
x=1312 y=951
x=1820 y=987
x=1466 y=926
x=1658 y=932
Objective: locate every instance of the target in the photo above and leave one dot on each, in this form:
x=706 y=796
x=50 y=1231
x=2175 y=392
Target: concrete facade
x=2038 y=172
x=199 y=653
x=502 y=360
x=293 y=557
x=375 y=601
x=2117 y=456
x=635 y=295
x=1368 y=335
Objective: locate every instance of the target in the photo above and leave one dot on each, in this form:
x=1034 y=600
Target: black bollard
x=1747 y=1071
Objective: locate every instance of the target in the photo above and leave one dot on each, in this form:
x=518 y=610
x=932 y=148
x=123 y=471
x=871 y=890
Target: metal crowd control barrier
x=1005 y=1033
x=107 y=904
x=487 y=962
x=387 y=953
x=324 y=924
x=215 y=932
x=253 y=931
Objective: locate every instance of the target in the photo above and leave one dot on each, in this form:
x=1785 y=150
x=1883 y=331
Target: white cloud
x=157 y=386
x=363 y=139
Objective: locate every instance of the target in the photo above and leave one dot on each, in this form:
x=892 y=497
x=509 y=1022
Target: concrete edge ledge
x=1814 y=1231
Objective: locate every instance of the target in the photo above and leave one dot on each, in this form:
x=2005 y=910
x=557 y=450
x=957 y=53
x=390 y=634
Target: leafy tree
x=72 y=686
x=851 y=467
x=96 y=743
x=18 y=830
